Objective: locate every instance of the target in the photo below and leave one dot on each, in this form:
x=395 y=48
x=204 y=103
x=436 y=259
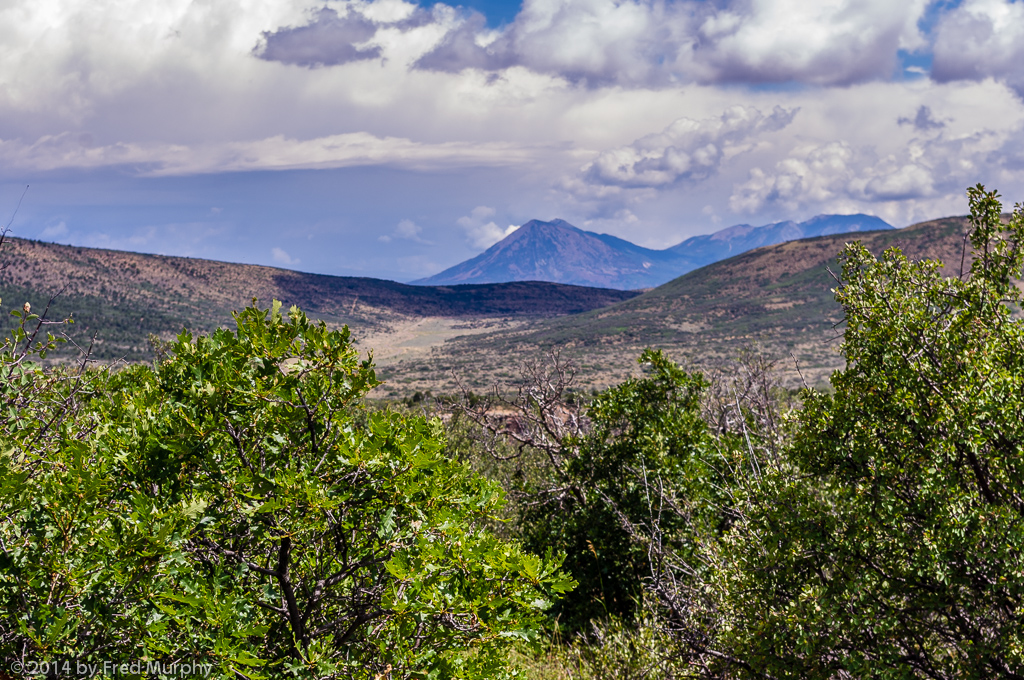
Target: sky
x=390 y=139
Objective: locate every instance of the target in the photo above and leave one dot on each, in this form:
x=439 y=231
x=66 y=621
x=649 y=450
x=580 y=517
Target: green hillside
x=123 y=297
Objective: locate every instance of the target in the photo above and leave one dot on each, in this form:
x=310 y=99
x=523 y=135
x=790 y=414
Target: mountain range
x=558 y=252
x=777 y=300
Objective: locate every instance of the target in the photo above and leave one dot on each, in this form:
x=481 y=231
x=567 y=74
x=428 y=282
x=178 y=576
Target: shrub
x=235 y=506
x=895 y=547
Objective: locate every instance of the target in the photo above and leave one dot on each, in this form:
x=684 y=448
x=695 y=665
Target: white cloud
x=63 y=59
x=406 y=230
x=811 y=175
x=596 y=41
x=980 y=39
x=925 y=173
x=898 y=181
x=686 y=150
x=54 y=231
x=480 y=231
x=689 y=152
x=837 y=42
x=273 y=153
x=280 y=256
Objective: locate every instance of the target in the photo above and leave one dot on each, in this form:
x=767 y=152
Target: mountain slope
x=558 y=251
x=703 y=250
x=778 y=298
x=783 y=289
x=123 y=297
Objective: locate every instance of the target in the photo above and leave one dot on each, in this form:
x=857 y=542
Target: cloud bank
x=649 y=119
x=686 y=150
x=276 y=153
x=939 y=166
x=631 y=43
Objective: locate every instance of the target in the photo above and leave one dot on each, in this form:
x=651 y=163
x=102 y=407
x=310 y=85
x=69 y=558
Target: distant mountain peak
x=559 y=252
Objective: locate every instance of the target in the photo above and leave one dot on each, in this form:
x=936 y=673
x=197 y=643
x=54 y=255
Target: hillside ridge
x=124 y=296
x=776 y=299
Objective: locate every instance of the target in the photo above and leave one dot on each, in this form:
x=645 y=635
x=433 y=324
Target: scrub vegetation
x=239 y=502
x=119 y=299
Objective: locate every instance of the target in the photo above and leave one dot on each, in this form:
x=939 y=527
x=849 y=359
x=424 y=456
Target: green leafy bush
x=591 y=479
x=235 y=507
x=878 y=531
x=646 y=432
x=895 y=548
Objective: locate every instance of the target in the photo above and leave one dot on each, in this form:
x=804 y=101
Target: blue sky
x=383 y=138
x=498 y=12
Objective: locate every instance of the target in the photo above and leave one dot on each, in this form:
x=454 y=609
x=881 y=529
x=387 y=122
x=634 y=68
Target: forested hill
x=123 y=297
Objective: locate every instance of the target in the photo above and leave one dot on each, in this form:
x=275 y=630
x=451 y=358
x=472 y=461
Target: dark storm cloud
x=978 y=40
x=327 y=40
x=654 y=43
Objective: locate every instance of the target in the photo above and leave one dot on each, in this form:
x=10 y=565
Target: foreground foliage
x=897 y=548
x=237 y=507
x=877 y=532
